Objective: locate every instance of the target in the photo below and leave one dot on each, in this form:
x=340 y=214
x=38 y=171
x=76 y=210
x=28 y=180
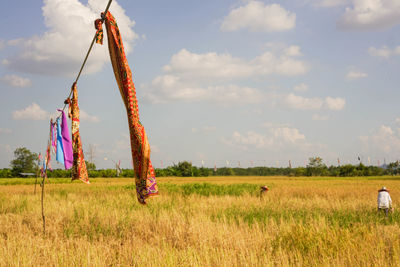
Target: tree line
x=26 y=162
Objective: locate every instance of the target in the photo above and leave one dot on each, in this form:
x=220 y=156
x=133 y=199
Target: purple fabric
x=66 y=142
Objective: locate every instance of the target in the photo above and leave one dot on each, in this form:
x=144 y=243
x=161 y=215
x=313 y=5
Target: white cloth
x=384 y=200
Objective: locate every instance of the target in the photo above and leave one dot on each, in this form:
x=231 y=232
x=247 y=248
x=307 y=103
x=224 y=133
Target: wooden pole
x=37 y=174
x=43 y=217
x=46 y=159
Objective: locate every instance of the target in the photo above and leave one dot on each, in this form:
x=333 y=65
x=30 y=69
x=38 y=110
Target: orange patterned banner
x=79 y=166
x=145 y=180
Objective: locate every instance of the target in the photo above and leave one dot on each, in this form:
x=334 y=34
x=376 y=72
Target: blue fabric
x=60 y=149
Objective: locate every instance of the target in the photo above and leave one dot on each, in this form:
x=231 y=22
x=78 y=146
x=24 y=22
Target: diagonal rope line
x=88 y=52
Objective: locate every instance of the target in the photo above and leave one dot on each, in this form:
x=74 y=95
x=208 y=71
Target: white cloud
x=225 y=66
x=209 y=65
x=335 y=103
x=384 y=139
x=293 y=51
x=299 y=102
x=303 y=103
x=167 y=88
x=2 y=44
x=384 y=51
x=5 y=131
x=197 y=77
x=258 y=17
x=301 y=87
x=371 y=15
x=318 y=117
x=288 y=135
x=16 y=81
x=353 y=74
x=32 y=112
x=84 y=116
x=276 y=137
x=250 y=139
x=61 y=49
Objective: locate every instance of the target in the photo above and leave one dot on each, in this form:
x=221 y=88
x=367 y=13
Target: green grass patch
x=345 y=219
x=206 y=189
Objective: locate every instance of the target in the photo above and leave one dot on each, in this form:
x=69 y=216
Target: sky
x=225 y=83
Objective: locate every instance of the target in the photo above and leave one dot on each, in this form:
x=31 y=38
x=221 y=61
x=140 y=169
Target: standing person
x=384 y=200
x=263 y=191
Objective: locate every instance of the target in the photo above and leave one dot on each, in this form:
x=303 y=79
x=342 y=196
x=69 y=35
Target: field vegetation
x=200 y=221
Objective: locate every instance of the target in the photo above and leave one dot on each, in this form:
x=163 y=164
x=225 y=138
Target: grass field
x=211 y=221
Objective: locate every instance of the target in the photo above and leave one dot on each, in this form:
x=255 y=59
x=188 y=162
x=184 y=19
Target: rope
x=87 y=54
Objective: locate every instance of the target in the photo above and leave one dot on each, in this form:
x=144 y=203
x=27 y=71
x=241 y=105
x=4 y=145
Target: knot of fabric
x=98 y=24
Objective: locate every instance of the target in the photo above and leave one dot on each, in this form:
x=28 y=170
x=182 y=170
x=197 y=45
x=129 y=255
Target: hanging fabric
x=99 y=33
x=79 y=170
x=145 y=180
x=66 y=142
x=47 y=158
x=53 y=133
x=59 y=143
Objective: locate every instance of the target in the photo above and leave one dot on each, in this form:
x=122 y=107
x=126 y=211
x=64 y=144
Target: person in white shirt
x=384 y=200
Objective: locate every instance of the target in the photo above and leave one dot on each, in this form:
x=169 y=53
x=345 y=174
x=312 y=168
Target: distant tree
x=90 y=166
x=204 y=171
x=315 y=162
x=225 y=171
x=348 y=170
x=394 y=168
x=316 y=166
x=24 y=161
x=300 y=171
x=5 y=173
x=184 y=168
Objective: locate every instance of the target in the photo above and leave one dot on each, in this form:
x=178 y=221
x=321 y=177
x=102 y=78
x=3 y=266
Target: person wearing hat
x=384 y=200
x=263 y=190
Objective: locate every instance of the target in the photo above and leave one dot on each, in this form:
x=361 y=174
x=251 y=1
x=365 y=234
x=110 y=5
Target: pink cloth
x=66 y=141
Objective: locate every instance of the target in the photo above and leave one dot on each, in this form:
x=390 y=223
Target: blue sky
x=218 y=82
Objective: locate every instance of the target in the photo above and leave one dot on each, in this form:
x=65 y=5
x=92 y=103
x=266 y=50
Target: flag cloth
x=99 y=33
x=39 y=158
x=53 y=136
x=79 y=170
x=145 y=180
x=47 y=157
x=66 y=142
x=59 y=150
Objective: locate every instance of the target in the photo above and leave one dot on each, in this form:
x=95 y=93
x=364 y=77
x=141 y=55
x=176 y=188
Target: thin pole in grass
x=43 y=217
x=44 y=177
x=37 y=172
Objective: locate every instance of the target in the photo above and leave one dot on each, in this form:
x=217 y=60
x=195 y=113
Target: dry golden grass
x=301 y=222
